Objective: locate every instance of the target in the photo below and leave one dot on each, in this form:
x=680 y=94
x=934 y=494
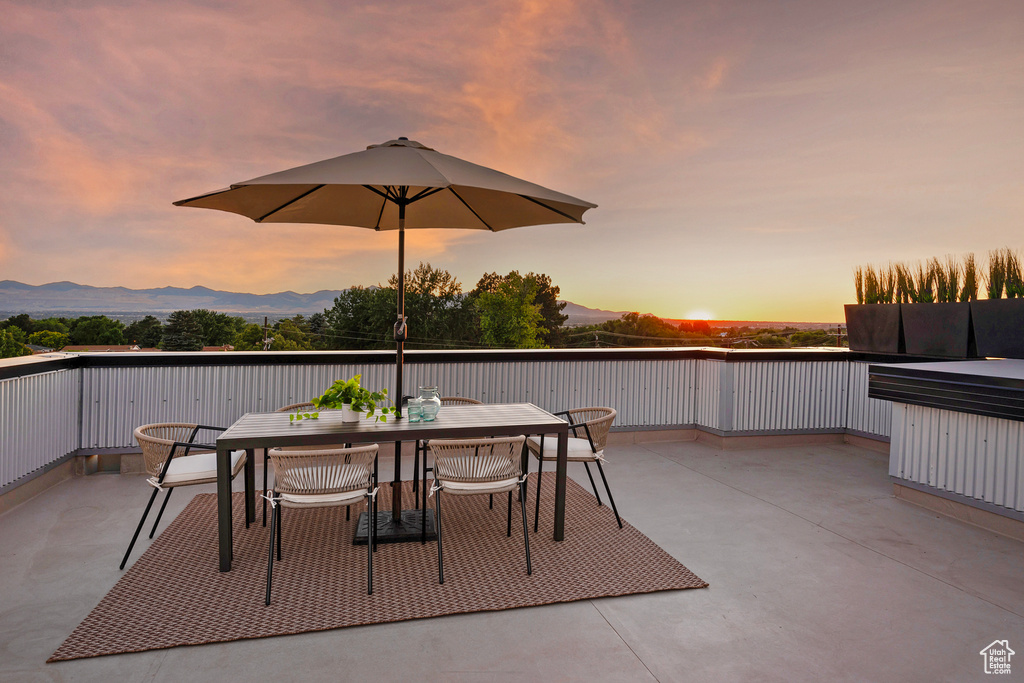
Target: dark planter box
x=938 y=329
x=874 y=327
x=999 y=327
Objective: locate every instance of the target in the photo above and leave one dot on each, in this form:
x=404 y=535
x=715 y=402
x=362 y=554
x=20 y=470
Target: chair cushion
x=295 y=500
x=470 y=488
x=579 y=449
x=198 y=468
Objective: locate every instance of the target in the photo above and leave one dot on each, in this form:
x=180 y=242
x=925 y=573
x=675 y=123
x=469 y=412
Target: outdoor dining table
x=270 y=430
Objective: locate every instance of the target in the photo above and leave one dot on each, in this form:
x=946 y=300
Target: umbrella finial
x=401 y=142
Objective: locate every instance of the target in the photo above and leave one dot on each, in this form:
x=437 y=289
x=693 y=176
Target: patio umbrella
x=397 y=185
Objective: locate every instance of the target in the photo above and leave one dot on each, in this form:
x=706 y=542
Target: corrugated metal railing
x=46 y=415
x=38 y=422
x=974 y=456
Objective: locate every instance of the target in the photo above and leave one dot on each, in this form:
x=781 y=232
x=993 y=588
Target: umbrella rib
x=380 y=214
x=550 y=208
x=288 y=203
x=373 y=189
x=425 y=192
x=466 y=204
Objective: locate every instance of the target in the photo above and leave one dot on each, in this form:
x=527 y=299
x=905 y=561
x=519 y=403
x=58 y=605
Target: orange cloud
x=715 y=75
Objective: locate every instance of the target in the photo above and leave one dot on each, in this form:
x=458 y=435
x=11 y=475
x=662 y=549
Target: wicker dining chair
x=588 y=435
x=321 y=478
x=174 y=458
x=306 y=405
x=464 y=467
x=422 y=449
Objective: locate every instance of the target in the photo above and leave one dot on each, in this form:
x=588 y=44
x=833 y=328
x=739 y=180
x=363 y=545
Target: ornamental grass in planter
x=997 y=322
x=873 y=324
x=939 y=310
x=934 y=322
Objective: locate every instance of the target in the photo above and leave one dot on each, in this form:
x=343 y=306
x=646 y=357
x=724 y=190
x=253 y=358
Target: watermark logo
x=997 y=657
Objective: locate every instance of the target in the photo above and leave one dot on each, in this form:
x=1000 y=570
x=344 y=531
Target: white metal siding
x=863 y=414
x=116 y=400
x=39 y=414
x=782 y=395
x=972 y=455
x=707 y=393
x=38 y=421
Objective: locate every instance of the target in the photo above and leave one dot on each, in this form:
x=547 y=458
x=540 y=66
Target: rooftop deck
x=816 y=572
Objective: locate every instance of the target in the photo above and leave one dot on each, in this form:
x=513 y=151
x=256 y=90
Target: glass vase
x=430 y=403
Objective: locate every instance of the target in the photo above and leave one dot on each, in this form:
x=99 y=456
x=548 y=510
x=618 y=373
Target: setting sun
x=700 y=314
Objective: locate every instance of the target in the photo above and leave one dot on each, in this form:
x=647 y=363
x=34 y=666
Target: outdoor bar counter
x=957 y=430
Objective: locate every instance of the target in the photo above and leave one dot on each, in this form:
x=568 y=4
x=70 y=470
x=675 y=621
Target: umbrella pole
x=400 y=334
x=400 y=328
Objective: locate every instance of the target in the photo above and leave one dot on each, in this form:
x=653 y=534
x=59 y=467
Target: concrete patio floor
x=817 y=573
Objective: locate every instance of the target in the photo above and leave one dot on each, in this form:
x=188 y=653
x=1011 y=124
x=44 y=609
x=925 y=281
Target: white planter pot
x=349 y=415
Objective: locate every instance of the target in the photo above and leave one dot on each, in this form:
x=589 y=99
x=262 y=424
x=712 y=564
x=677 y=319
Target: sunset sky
x=744 y=156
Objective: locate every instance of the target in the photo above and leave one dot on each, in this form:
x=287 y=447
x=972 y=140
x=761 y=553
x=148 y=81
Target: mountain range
x=69 y=298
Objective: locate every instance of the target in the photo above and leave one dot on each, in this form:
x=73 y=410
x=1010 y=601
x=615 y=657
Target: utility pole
x=267 y=341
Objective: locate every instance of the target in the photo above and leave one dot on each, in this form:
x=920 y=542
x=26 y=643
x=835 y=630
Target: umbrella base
x=409 y=527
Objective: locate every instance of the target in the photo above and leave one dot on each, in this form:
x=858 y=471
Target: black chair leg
x=161 y=513
x=423 y=524
x=266 y=463
x=610 y=499
x=270 y=559
x=525 y=462
x=437 y=523
x=372 y=518
x=526 y=530
x=536 y=511
x=370 y=528
x=280 y=514
x=139 y=529
x=508 y=532
x=415 y=474
x=249 y=474
x=593 y=486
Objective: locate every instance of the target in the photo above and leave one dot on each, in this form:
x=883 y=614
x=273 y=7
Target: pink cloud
x=730 y=129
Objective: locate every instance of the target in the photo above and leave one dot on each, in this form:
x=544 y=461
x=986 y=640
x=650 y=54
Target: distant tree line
x=634 y=329
x=501 y=311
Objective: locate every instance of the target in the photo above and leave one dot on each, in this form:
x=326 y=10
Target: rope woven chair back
x=459 y=401
x=320 y=472
x=477 y=460
x=295 y=406
x=598 y=420
x=156 y=441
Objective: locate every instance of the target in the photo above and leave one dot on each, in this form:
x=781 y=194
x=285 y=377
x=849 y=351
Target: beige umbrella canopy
x=368 y=190
x=393 y=186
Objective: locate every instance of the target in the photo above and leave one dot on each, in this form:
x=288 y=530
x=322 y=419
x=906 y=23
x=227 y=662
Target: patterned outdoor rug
x=174 y=595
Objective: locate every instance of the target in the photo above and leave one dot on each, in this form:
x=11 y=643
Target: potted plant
x=873 y=323
x=354 y=400
x=934 y=322
x=998 y=322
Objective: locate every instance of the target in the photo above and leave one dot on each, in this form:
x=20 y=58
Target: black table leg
x=224 y=508
x=396 y=485
x=250 y=486
x=561 y=470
